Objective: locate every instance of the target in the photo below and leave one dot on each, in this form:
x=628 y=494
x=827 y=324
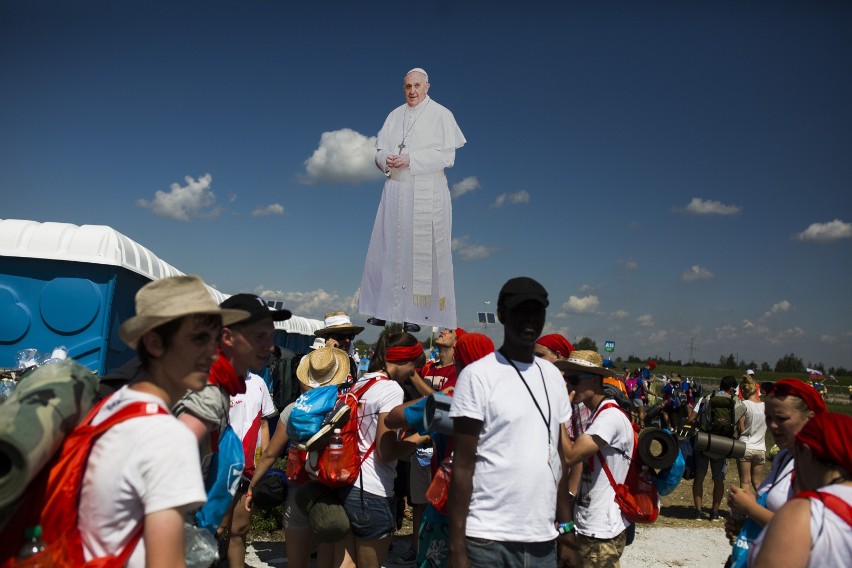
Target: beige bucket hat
x=167 y=299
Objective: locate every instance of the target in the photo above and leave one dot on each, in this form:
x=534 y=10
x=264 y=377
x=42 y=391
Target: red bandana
x=804 y=391
x=827 y=435
x=403 y=354
x=556 y=343
x=473 y=347
x=222 y=373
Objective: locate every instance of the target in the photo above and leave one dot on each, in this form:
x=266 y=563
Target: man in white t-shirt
x=508 y=411
x=249 y=417
x=144 y=472
x=601 y=530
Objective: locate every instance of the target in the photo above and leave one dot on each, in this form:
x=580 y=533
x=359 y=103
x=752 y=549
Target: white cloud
x=620 y=314
x=184 y=203
x=777 y=308
x=585 y=305
x=312 y=304
x=628 y=264
x=829 y=339
x=467 y=184
x=826 y=232
x=660 y=336
x=517 y=197
x=699 y=206
x=469 y=251
x=645 y=320
x=696 y=273
x=586 y=288
x=343 y=156
x=272 y=209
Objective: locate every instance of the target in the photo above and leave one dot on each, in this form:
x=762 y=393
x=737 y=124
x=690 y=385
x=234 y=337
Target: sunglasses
x=573 y=380
x=341 y=336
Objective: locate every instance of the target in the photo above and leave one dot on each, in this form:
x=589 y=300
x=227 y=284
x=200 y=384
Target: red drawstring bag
x=344 y=469
x=637 y=497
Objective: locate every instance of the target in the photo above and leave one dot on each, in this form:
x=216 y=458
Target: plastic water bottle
x=335 y=446
x=34 y=544
x=335 y=455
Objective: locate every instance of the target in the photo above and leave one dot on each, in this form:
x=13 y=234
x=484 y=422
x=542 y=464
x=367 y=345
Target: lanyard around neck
x=544 y=386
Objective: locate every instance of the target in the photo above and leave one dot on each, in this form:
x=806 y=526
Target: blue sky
x=672 y=172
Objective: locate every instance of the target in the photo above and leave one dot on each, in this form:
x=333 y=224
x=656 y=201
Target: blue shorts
x=371 y=516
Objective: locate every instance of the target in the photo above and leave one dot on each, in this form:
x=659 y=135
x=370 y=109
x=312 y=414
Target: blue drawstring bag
x=222 y=480
x=309 y=411
x=687 y=450
x=668 y=479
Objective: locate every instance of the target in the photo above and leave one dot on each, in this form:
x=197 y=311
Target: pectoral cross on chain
x=401 y=146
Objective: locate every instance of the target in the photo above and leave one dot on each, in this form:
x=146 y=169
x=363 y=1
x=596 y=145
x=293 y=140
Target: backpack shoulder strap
x=840 y=507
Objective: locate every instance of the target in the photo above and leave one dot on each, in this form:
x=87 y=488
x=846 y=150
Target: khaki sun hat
x=583 y=361
x=167 y=299
x=338 y=322
x=323 y=366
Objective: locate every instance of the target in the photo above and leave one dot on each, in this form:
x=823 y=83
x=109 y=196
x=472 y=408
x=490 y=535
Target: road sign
x=609 y=346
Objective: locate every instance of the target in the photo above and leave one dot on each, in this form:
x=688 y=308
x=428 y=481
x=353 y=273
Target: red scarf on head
x=473 y=347
x=827 y=435
x=806 y=392
x=222 y=373
x=556 y=343
x=403 y=354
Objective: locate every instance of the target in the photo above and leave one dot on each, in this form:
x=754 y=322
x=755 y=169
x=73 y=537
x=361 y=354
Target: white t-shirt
x=778 y=484
x=382 y=397
x=515 y=475
x=831 y=536
x=754 y=434
x=141 y=466
x=247 y=411
x=596 y=514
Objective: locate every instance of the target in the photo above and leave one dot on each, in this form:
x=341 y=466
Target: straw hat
x=338 y=322
x=583 y=361
x=167 y=299
x=323 y=366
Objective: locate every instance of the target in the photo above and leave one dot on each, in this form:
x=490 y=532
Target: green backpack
x=719 y=416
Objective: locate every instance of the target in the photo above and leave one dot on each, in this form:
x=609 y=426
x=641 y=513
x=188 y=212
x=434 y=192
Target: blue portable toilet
x=63 y=284
x=69 y=285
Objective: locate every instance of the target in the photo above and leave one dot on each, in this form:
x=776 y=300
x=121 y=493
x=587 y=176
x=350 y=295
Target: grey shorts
x=718 y=467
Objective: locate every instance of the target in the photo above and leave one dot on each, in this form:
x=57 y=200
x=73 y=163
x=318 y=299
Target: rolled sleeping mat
x=44 y=407
x=436 y=415
x=714 y=446
x=668 y=448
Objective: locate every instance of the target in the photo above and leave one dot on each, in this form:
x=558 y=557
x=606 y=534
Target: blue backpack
x=222 y=480
x=309 y=411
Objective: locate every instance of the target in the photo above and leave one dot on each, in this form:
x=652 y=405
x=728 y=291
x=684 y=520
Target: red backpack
x=52 y=499
x=637 y=497
x=343 y=470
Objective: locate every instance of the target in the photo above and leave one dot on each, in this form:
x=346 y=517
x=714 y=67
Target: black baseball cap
x=256 y=306
x=521 y=289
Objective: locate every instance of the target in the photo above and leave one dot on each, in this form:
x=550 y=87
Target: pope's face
x=415 y=87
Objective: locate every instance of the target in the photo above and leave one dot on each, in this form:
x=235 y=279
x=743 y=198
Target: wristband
x=565 y=528
x=248 y=493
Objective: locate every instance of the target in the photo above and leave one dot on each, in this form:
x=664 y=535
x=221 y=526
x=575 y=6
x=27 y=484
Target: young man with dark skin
x=508 y=411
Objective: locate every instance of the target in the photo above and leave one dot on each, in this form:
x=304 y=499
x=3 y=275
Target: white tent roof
x=99 y=244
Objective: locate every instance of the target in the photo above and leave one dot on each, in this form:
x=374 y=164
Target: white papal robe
x=408 y=274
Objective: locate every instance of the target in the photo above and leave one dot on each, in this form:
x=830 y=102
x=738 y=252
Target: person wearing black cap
x=508 y=411
x=243 y=346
